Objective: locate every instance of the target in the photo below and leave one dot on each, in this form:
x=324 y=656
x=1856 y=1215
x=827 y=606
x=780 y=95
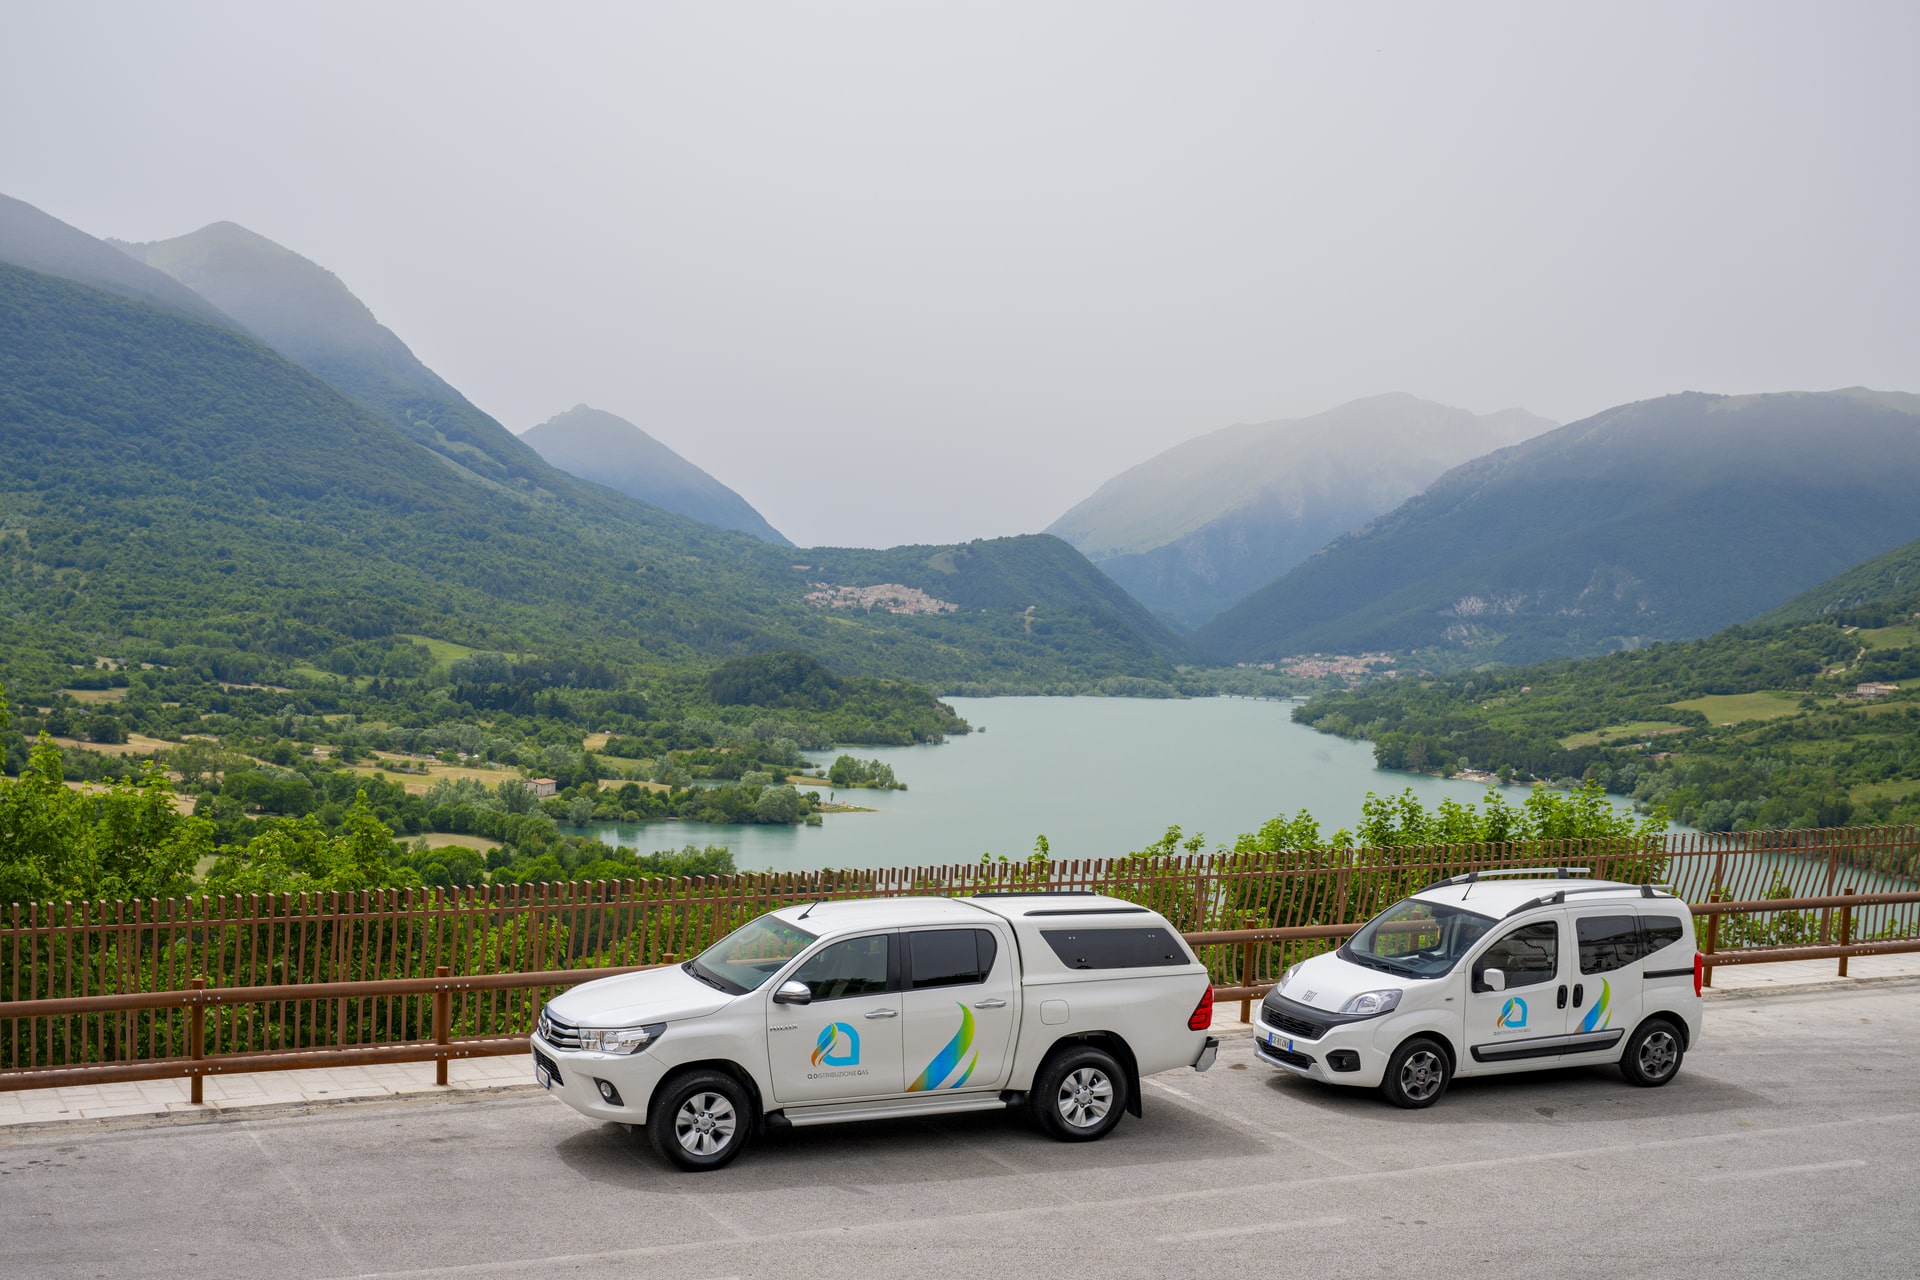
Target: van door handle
x=995 y=1003
x=1563 y=996
x=883 y=1013
x=1579 y=994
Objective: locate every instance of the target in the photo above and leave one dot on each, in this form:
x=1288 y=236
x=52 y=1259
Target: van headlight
x=619 y=1040
x=1292 y=969
x=1369 y=1003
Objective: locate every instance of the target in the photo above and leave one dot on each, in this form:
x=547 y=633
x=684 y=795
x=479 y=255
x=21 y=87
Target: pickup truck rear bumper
x=1208 y=1052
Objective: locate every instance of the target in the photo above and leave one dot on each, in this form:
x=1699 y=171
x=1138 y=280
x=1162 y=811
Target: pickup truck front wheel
x=1080 y=1094
x=700 y=1120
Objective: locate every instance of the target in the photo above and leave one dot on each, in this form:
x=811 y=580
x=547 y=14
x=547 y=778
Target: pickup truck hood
x=635 y=999
x=1328 y=982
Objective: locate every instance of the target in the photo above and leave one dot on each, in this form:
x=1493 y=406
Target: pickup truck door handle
x=995 y=1003
x=883 y=1013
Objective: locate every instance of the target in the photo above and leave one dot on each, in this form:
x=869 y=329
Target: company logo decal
x=1602 y=1008
x=838 y=1046
x=1512 y=1014
x=948 y=1060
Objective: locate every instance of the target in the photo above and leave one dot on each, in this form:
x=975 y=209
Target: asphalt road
x=1786 y=1148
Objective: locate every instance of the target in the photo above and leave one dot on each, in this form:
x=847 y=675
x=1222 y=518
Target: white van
x=1494 y=972
x=886 y=1007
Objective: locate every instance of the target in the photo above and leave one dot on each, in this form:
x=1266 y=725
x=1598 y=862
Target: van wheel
x=1417 y=1074
x=1080 y=1094
x=1653 y=1054
x=700 y=1121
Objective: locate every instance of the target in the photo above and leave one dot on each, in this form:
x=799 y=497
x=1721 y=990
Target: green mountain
x=1888 y=584
x=40 y=242
x=304 y=312
x=1196 y=528
x=1665 y=519
x=181 y=492
x=608 y=450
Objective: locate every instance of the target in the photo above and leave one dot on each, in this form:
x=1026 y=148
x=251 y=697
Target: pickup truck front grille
x=561 y=1035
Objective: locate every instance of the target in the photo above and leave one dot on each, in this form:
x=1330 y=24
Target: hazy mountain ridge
x=1566 y=544
x=1200 y=526
x=1892 y=580
x=608 y=450
x=185 y=484
x=41 y=242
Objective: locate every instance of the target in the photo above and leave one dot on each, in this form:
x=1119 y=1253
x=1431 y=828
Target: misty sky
x=903 y=272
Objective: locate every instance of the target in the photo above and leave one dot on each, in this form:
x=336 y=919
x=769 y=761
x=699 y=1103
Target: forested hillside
x=1662 y=520
x=1753 y=727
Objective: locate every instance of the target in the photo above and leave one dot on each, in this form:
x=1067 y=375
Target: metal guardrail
x=196 y=1065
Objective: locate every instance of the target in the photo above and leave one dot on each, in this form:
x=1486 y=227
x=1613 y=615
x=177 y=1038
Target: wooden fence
x=67 y=950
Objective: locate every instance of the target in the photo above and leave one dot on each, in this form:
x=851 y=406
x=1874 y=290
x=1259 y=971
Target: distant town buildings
x=1874 y=689
x=891 y=596
x=1352 y=668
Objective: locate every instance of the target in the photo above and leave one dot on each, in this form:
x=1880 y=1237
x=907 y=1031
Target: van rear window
x=1116 y=948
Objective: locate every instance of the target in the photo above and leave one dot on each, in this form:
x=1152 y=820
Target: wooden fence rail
x=353 y=946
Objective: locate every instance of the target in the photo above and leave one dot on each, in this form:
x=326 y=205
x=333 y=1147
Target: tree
x=777 y=805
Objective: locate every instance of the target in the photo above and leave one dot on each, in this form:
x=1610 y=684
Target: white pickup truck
x=886 y=1007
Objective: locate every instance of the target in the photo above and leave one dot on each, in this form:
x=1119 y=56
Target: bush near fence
x=98 y=948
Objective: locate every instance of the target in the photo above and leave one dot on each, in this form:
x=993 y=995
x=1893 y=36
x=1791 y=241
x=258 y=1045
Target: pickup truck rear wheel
x=700 y=1120
x=1079 y=1094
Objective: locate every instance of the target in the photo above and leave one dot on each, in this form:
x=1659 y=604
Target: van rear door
x=1606 y=989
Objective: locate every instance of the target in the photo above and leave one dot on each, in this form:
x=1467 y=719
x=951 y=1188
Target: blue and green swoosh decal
x=948 y=1060
x=1597 y=1016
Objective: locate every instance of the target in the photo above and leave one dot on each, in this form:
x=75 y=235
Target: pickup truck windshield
x=1416 y=939
x=748 y=956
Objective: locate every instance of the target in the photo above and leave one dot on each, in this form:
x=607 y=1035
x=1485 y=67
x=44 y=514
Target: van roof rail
x=1034 y=893
x=1559 y=896
x=1558 y=873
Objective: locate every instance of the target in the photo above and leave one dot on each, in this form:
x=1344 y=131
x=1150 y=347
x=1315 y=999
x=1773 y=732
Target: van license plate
x=1280 y=1042
x=542 y=1076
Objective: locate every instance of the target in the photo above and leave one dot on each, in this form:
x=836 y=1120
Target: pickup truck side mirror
x=1493 y=979
x=793 y=993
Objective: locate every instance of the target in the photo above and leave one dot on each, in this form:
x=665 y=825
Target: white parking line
x=1741 y=1175
x=1221 y=1233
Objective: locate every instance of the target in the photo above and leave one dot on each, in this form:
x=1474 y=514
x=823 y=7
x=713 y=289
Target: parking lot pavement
x=1784 y=1148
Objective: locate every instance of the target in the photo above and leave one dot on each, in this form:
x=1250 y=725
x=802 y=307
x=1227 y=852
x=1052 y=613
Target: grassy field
x=1733 y=708
x=440 y=839
x=1875 y=790
x=446 y=652
x=95 y=697
x=420 y=783
x=137 y=744
x=1899 y=637
x=1622 y=732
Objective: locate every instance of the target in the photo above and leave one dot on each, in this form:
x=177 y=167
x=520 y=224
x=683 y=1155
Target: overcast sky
x=903 y=272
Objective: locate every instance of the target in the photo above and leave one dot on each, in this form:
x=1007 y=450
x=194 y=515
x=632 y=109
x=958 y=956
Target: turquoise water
x=1097 y=776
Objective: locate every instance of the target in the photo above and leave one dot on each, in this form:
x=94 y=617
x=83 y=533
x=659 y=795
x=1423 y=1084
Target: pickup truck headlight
x=620 y=1040
x=1369 y=1003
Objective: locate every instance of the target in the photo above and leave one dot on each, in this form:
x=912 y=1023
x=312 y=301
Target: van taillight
x=1202 y=1013
x=1699 y=970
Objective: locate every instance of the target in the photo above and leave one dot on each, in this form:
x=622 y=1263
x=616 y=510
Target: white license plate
x=1279 y=1042
x=542 y=1076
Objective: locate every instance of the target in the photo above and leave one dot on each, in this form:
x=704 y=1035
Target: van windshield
x=1416 y=939
x=748 y=956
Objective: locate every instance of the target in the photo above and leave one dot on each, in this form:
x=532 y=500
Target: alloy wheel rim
x=1421 y=1075
x=705 y=1123
x=1659 y=1054
x=1085 y=1097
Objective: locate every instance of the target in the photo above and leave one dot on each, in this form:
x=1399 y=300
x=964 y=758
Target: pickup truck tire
x=1417 y=1074
x=1079 y=1094
x=1653 y=1053
x=700 y=1120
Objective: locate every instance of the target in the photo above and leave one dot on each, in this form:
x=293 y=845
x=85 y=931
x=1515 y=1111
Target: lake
x=1096 y=776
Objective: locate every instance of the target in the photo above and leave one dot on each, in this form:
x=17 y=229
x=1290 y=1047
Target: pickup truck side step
x=885 y=1109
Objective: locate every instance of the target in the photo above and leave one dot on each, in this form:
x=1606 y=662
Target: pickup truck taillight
x=1203 y=1012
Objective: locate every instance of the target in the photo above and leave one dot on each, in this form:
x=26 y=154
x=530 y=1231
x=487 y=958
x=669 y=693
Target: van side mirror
x=1494 y=979
x=793 y=993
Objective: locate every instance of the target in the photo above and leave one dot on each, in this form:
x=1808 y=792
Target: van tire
x=1418 y=1073
x=1653 y=1054
x=700 y=1120
x=1079 y=1094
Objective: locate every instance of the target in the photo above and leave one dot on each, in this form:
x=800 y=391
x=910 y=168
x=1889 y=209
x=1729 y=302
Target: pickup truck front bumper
x=1208 y=1052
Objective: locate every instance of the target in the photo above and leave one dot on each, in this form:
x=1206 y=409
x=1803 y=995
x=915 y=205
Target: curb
x=215 y=1114
x=1720 y=996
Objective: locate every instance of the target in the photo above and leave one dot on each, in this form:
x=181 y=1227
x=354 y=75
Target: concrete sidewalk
x=226 y=1095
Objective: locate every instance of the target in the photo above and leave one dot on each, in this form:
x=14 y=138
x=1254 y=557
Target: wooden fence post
x=442 y=1024
x=1246 y=972
x=1846 y=928
x=1713 y=945
x=196 y=1041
